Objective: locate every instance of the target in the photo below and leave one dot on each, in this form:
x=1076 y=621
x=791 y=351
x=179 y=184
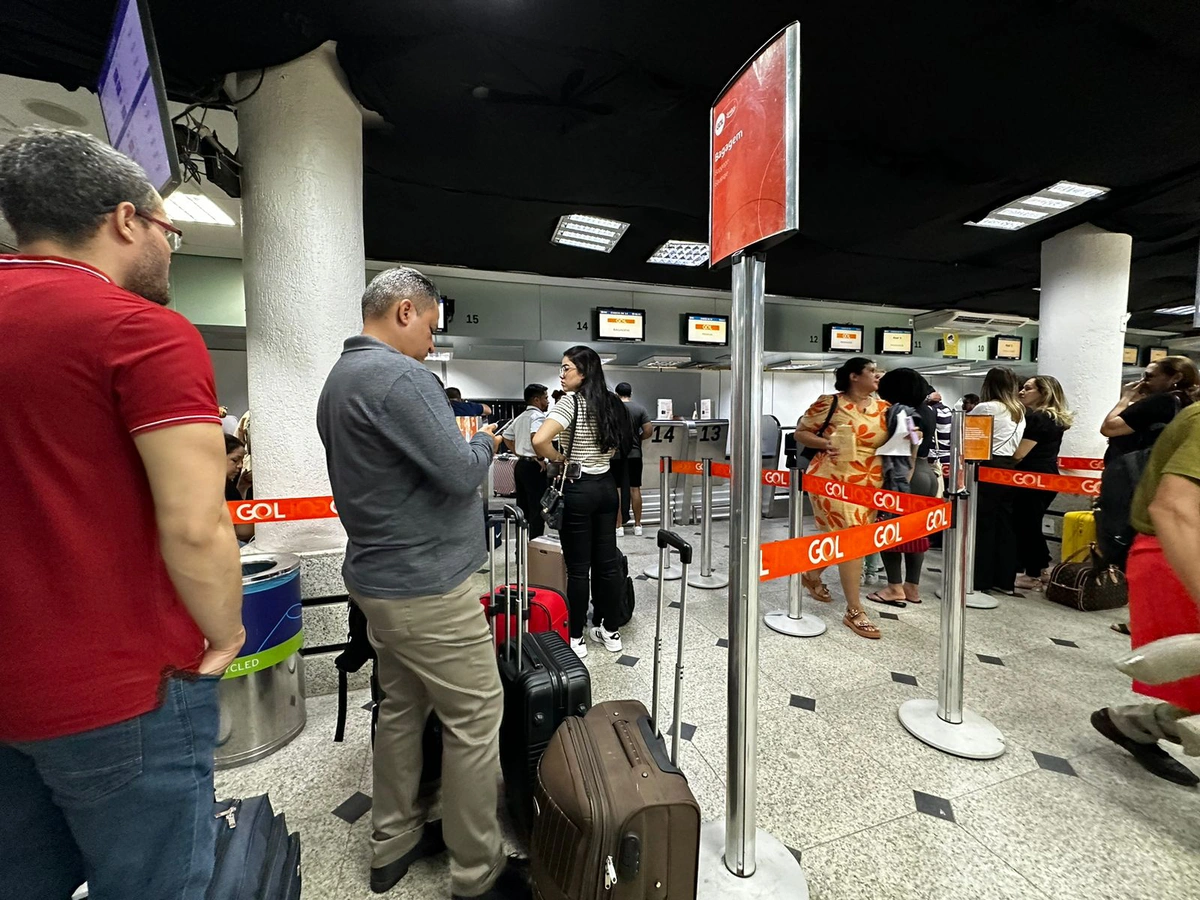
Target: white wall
x=229 y=367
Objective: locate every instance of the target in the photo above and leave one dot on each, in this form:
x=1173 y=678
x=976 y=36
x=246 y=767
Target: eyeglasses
x=563 y=370
x=174 y=235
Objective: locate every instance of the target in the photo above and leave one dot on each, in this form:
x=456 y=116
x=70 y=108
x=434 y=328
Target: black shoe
x=1153 y=758
x=431 y=843
x=513 y=883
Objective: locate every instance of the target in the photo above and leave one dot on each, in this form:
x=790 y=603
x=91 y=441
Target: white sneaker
x=610 y=639
x=579 y=646
x=620 y=531
x=637 y=530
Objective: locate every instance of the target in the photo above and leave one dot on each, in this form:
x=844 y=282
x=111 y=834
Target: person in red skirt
x=1164 y=595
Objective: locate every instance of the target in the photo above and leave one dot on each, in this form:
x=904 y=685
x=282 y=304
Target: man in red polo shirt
x=120 y=584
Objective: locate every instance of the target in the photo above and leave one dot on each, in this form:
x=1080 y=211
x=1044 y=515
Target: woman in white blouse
x=996 y=542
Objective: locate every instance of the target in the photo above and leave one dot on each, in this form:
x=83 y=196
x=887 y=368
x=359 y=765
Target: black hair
x=852 y=366
x=612 y=424
x=232 y=443
x=59 y=184
x=533 y=391
x=971 y=398
x=624 y=389
x=453 y=394
x=907 y=386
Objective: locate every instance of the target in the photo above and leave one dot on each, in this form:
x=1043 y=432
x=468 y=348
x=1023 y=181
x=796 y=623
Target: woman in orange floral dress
x=859 y=408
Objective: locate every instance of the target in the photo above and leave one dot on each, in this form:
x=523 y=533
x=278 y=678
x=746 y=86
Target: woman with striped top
x=592 y=423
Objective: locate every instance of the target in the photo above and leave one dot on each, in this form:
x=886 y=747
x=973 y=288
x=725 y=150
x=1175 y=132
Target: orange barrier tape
x=252 y=512
x=775 y=477
x=1063 y=484
x=798 y=555
x=1081 y=463
x=885 y=501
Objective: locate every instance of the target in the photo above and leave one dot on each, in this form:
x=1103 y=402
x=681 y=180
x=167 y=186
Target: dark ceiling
x=916 y=118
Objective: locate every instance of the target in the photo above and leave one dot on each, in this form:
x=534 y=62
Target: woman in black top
x=1046 y=420
x=1149 y=405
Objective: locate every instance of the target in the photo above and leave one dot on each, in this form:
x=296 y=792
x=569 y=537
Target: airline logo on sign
x=251 y=512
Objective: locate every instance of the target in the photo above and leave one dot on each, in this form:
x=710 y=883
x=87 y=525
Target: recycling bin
x=262 y=692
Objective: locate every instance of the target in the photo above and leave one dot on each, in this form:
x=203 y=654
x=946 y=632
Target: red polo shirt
x=89 y=619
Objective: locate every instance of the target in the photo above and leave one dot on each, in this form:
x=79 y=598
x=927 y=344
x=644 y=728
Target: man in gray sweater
x=406 y=487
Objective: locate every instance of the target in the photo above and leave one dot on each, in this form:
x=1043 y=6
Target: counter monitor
x=1154 y=354
x=894 y=341
x=1006 y=347
x=843 y=338
x=1129 y=355
x=620 y=324
x=706 y=330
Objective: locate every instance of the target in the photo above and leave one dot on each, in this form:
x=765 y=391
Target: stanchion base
x=975 y=738
x=777 y=875
x=673 y=573
x=805 y=626
x=709 y=582
x=977 y=600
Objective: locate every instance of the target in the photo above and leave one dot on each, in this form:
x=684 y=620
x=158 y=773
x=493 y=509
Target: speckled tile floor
x=873 y=813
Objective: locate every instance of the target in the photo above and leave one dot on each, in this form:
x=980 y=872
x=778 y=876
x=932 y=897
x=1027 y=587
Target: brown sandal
x=816 y=588
x=864 y=628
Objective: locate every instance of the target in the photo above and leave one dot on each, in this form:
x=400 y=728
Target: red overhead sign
x=754 y=151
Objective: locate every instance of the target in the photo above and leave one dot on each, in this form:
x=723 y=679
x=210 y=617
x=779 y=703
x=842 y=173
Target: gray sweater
x=405 y=482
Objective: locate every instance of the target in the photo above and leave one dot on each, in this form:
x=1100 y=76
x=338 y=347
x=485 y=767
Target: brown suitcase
x=547 y=567
x=614 y=818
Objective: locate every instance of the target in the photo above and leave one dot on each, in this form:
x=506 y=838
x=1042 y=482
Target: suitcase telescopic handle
x=514 y=515
x=671 y=539
x=666 y=540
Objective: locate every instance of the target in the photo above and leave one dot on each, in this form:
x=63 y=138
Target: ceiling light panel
x=1071 y=189
x=1002 y=224
x=588 y=232
x=681 y=253
x=196 y=208
x=1177 y=310
x=1060 y=196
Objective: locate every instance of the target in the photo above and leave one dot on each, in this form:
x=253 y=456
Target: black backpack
x=358 y=653
x=1114 y=506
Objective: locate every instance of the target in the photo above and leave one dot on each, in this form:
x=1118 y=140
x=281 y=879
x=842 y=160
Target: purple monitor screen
x=133 y=99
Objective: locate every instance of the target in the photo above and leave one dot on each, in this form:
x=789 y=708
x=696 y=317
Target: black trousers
x=995 y=536
x=531 y=484
x=1029 y=508
x=589 y=543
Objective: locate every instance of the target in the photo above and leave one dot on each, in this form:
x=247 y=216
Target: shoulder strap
x=828 y=416
x=574 y=427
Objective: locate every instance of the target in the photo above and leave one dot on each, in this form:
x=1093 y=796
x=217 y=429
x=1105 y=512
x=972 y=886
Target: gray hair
x=59 y=184
x=401 y=283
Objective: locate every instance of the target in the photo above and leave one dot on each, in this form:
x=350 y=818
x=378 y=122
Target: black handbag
x=810 y=453
x=553 y=504
x=1089 y=585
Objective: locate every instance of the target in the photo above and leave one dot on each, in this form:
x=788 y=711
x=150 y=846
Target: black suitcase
x=544 y=682
x=256 y=857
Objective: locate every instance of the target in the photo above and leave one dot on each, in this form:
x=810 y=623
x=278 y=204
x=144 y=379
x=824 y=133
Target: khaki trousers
x=436 y=653
x=1148 y=723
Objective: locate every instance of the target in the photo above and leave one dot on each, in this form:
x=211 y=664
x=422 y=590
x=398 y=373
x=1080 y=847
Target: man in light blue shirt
x=529 y=472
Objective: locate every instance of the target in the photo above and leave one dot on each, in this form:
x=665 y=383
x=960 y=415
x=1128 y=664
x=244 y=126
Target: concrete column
x=1081 y=326
x=300 y=143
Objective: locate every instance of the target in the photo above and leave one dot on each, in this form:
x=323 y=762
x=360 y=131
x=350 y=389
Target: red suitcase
x=547 y=609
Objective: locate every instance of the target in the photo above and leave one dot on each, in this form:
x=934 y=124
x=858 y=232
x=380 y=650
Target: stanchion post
x=944 y=723
x=975 y=599
x=706 y=580
x=795 y=621
x=669 y=572
x=745 y=565
x=957 y=561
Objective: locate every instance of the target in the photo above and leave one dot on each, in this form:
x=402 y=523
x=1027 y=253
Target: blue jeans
x=126 y=807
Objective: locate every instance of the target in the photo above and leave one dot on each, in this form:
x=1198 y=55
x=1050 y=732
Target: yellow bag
x=1079 y=532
